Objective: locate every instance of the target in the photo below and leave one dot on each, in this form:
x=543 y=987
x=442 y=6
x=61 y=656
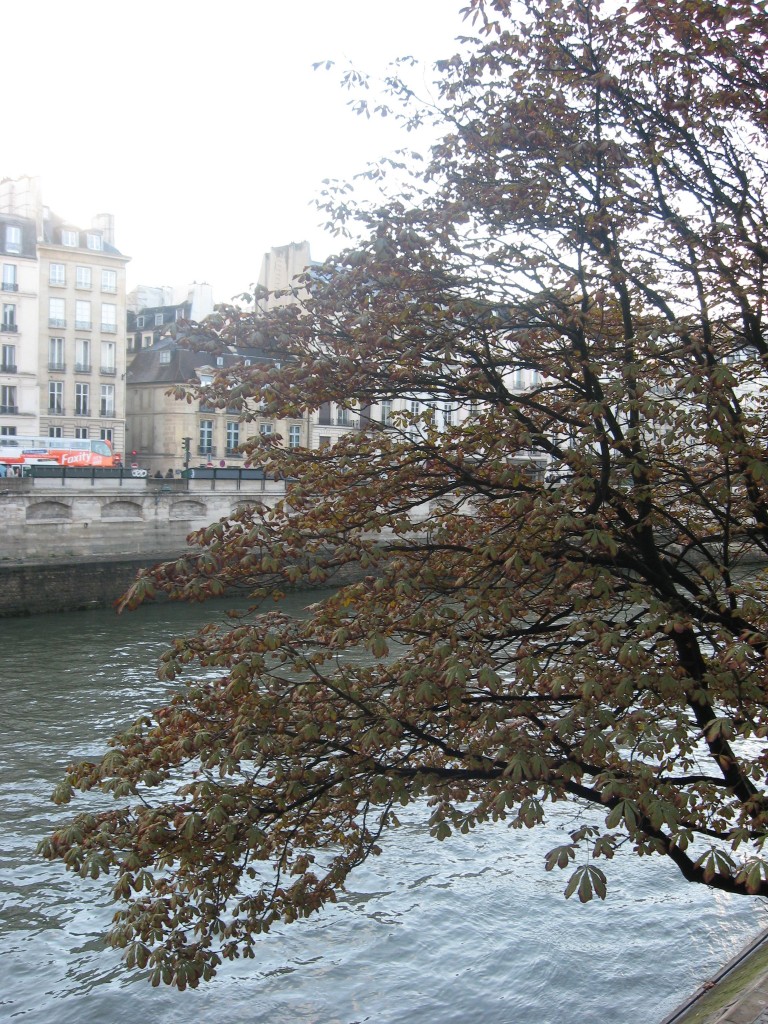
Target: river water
x=470 y=930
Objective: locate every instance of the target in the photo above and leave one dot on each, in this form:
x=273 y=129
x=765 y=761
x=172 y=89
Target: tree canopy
x=553 y=584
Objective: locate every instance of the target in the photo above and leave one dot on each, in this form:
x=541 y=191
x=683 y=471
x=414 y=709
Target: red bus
x=55 y=451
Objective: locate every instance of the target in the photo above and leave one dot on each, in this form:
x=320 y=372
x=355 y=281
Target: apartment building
x=152 y=310
x=19 y=390
x=70 y=320
x=166 y=433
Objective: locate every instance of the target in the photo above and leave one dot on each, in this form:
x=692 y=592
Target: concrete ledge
x=737 y=994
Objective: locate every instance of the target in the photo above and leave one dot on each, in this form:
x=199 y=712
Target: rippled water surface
x=470 y=930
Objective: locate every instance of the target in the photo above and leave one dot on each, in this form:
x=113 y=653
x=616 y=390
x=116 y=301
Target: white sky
x=201 y=125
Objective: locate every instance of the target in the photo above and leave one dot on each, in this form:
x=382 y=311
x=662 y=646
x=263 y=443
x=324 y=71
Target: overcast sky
x=201 y=125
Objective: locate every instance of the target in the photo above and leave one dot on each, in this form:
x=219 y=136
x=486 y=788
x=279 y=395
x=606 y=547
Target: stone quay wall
x=78 y=543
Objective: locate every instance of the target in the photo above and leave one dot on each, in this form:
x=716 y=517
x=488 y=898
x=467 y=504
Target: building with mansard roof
x=167 y=433
x=63 y=322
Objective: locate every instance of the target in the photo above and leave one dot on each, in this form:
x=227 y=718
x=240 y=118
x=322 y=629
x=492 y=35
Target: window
x=219 y=360
x=69 y=237
x=82 y=395
x=265 y=429
x=57 y=274
x=10 y=284
x=57 y=313
x=109 y=317
x=146 y=340
x=8 y=399
x=107 y=404
x=9 y=317
x=8 y=353
x=294 y=436
x=233 y=436
x=56 y=432
x=82 y=315
x=106 y=434
x=206 y=437
x=95 y=242
x=56 y=397
x=82 y=355
x=12 y=238
x=108 y=357
x=56 y=354
x=342 y=416
x=324 y=441
x=81 y=432
x=109 y=280
x=139 y=321
x=165 y=356
x=7 y=431
x=82 y=277
x=386 y=412
x=158 y=319
x=448 y=414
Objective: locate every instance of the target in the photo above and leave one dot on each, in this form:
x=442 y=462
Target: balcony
x=82 y=367
x=55 y=322
x=10 y=286
x=345 y=420
x=109 y=328
x=82 y=410
x=9 y=328
x=107 y=371
x=56 y=409
x=82 y=325
x=111 y=288
x=206 y=449
x=107 y=410
x=57 y=367
x=7 y=367
x=9 y=410
x=232 y=453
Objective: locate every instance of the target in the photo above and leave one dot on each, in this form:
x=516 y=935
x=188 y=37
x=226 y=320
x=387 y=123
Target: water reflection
x=470 y=930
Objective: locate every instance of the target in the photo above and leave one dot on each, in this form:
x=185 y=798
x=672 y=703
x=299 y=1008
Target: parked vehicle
x=55 y=451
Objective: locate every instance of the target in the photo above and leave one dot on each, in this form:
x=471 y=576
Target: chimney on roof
x=105 y=223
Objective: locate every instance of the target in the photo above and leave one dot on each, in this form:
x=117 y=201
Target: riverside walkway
x=737 y=994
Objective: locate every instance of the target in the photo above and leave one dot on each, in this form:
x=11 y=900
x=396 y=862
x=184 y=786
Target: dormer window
x=12 y=238
x=139 y=321
x=158 y=319
x=219 y=360
x=69 y=237
x=94 y=242
x=165 y=356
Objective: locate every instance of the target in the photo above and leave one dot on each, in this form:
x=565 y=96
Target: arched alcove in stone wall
x=188 y=509
x=121 y=510
x=49 y=511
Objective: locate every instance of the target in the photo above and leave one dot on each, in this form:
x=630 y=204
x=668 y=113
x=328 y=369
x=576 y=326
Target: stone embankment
x=737 y=994
x=78 y=542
